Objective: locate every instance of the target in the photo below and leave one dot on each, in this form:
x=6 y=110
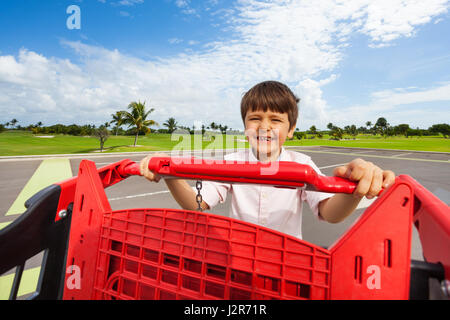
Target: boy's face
x=267 y=132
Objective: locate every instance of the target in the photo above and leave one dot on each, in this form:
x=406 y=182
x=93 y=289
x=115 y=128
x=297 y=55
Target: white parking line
x=401 y=154
x=333 y=165
x=365 y=151
x=139 y=195
x=375 y=156
x=364 y=203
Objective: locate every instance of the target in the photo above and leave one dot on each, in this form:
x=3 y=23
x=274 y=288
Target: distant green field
x=25 y=143
x=433 y=143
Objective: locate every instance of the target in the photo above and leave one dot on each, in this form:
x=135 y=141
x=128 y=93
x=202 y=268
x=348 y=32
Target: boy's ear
x=291 y=132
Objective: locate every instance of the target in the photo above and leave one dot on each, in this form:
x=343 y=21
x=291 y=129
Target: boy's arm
x=370 y=180
x=182 y=192
x=338 y=207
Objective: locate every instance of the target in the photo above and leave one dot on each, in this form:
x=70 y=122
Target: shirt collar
x=281 y=157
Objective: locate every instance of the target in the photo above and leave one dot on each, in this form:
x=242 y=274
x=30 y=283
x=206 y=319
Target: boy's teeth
x=264 y=138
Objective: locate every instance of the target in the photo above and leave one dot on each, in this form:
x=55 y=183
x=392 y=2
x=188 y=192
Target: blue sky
x=349 y=61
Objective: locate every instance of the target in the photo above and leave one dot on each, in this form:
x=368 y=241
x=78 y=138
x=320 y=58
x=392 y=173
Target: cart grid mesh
x=176 y=254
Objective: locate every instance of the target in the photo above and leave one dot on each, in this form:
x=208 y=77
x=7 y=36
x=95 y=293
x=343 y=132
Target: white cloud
x=400 y=105
x=400 y=96
x=175 y=40
x=125 y=14
x=296 y=42
x=181 y=3
x=129 y=2
x=186 y=8
x=388 y=20
x=312 y=106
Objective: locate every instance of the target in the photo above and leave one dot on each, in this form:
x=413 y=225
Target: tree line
x=136 y=117
x=381 y=127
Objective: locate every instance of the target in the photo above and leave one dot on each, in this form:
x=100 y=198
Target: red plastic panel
x=176 y=254
x=372 y=259
x=432 y=220
x=90 y=202
x=109 y=175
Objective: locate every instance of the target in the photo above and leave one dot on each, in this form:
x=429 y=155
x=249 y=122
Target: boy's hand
x=370 y=177
x=146 y=172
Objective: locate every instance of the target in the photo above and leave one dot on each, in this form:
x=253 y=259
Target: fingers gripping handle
x=130 y=168
x=281 y=174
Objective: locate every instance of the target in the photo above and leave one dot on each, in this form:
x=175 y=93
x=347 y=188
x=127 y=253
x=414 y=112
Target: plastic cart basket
x=92 y=252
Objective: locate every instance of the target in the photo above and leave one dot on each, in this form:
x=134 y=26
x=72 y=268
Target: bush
x=299 y=135
x=442 y=128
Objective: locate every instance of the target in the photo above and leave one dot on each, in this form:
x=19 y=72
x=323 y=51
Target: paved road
x=429 y=169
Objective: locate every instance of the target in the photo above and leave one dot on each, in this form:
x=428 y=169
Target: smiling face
x=269 y=111
x=267 y=131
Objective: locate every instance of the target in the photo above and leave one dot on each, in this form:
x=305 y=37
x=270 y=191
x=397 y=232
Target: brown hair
x=271 y=95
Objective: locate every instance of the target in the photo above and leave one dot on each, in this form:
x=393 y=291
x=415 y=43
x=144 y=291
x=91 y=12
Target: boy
x=269 y=111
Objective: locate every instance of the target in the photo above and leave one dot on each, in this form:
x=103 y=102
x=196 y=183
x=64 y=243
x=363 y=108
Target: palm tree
x=117 y=120
x=171 y=124
x=213 y=126
x=137 y=117
x=371 y=128
x=13 y=122
x=223 y=129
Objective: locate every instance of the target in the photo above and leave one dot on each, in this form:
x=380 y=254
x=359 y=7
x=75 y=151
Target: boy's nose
x=265 y=125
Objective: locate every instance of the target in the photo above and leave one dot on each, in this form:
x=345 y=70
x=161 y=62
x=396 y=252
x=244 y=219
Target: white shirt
x=276 y=208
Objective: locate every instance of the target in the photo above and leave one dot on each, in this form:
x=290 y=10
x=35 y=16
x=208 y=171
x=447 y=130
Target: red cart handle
x=286 y=174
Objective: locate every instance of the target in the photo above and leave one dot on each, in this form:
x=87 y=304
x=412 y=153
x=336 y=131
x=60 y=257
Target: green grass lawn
x=399 y=143
x=25 y=143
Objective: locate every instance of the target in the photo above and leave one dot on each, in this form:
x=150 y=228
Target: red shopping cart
x=93 y=252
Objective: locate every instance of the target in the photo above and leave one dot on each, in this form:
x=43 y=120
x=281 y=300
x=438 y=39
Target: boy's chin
x=265 y=152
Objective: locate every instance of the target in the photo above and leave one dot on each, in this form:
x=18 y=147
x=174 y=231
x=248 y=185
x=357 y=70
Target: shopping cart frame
x=46 y=224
